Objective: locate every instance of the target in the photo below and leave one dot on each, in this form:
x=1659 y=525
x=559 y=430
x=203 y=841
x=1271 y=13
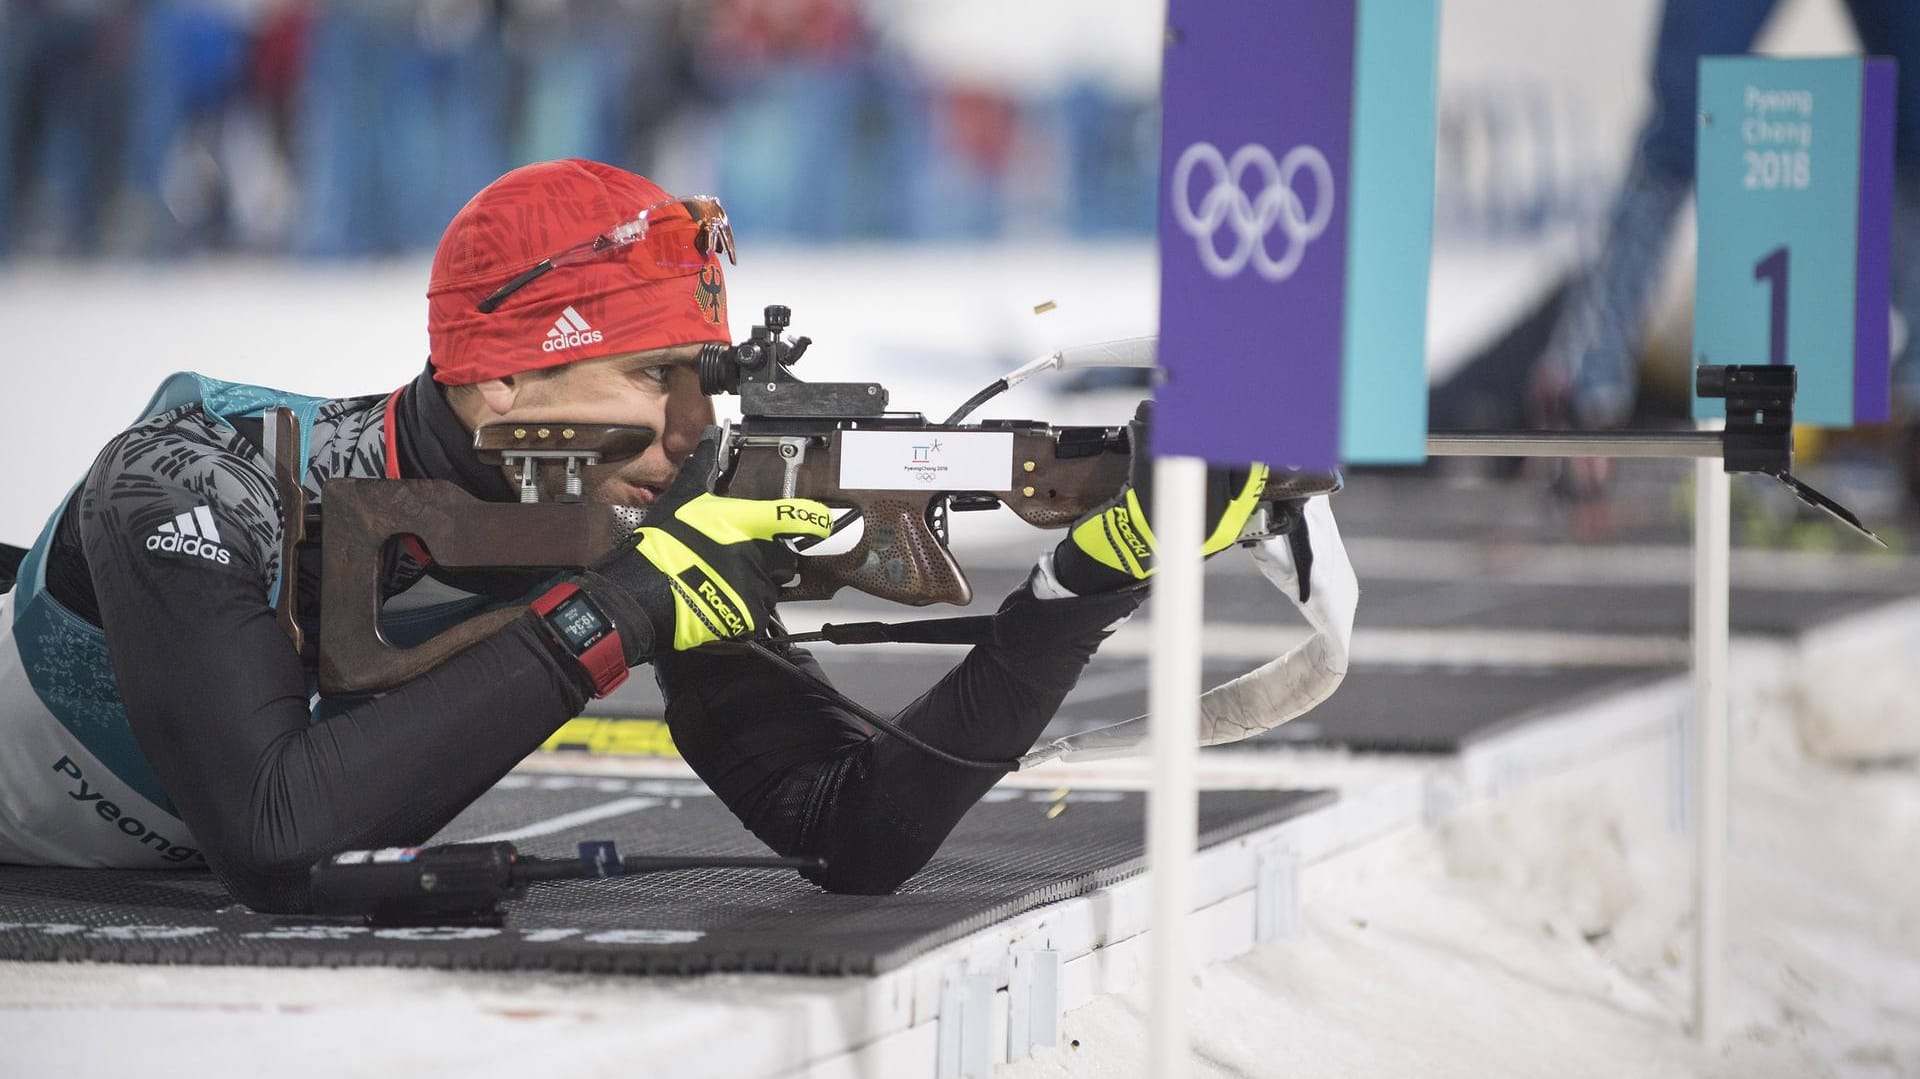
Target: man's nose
x=679 y=437
x=687 y=414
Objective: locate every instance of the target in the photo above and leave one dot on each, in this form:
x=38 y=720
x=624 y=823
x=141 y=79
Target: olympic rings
x=1226 y=203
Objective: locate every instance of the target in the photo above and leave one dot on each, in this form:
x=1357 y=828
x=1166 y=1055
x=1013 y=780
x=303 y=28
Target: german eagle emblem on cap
x=711 y=294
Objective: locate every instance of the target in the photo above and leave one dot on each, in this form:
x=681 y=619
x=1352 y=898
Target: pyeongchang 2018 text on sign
x=1794 y=182
x=1295 y=230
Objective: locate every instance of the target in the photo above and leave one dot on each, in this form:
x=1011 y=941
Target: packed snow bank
x=1872 y=715
x=1547 y=934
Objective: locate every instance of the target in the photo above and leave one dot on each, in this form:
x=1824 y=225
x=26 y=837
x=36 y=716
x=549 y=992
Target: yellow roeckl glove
x=1112 y=547
x=703 y=567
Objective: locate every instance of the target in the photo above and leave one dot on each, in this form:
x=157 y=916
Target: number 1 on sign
x=1773 y=270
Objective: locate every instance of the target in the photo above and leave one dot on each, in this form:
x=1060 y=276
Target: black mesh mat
x=1437 y=710
x=1016 y=851
x=1383 y=709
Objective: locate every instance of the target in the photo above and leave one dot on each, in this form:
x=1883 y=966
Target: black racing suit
x=269 y=780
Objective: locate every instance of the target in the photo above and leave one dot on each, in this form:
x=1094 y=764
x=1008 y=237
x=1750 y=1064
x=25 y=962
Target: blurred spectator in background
x=791 y=73
x=1114 y=158
x=206 y=166
x=402 y=107
x=1588 y=376
x=67 y=67
x=328 y=128
x=602 y=77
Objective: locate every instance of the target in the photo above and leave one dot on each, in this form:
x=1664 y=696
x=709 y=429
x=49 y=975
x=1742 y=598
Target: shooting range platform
x=1559 y=685
x=940 y=979
x=1015 y=851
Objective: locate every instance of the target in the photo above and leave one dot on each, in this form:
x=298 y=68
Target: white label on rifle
x=918 y=460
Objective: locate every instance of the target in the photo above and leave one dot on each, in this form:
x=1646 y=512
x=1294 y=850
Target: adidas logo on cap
x=570 y=331
x=191 y=533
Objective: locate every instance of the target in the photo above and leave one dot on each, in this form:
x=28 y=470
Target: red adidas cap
x=617 y=302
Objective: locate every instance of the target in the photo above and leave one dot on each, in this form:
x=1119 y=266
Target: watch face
x=580 y=623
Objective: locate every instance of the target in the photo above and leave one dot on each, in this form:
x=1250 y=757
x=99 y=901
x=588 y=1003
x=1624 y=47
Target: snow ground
x=1547 y=933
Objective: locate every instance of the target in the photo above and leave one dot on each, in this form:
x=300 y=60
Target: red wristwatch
x=587 y=634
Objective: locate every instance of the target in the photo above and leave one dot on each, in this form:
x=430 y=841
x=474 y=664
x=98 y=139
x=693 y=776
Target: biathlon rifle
x=834 y=442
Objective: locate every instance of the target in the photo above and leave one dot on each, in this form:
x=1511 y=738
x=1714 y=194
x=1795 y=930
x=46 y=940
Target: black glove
x=703 y=568
x=1112 y=546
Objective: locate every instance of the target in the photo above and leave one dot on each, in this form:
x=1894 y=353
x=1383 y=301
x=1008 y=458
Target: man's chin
x=622 y=493
x=625 y=492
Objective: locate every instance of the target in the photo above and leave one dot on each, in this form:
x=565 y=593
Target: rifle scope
x=763 y=357
x=760 y=371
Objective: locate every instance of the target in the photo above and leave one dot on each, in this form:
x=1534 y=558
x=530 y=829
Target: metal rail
x=1576 y=444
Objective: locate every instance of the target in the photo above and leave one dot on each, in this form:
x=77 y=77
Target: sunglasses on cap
x=678 y=234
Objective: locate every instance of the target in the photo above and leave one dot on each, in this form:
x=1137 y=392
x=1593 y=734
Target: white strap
x=1289 y=686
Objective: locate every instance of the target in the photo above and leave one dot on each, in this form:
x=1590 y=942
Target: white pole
x=1179 y=500
x=1711 y=555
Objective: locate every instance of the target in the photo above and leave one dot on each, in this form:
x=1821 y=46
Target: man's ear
x=481 y=403
x=497 y=395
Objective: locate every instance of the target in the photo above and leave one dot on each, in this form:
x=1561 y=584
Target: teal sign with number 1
x=1794 y=186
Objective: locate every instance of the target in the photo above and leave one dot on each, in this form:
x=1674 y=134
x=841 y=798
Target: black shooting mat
x=1235 y=593
x=1392 y=709
x=1652 y=610
x=1443 y=710
x=1013 y=852
x=1383 y=709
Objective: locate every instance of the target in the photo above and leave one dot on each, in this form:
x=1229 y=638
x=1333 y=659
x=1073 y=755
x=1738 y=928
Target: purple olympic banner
x=1258 y=105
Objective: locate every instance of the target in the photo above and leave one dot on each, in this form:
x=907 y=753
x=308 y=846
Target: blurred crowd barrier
x=325 y=128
